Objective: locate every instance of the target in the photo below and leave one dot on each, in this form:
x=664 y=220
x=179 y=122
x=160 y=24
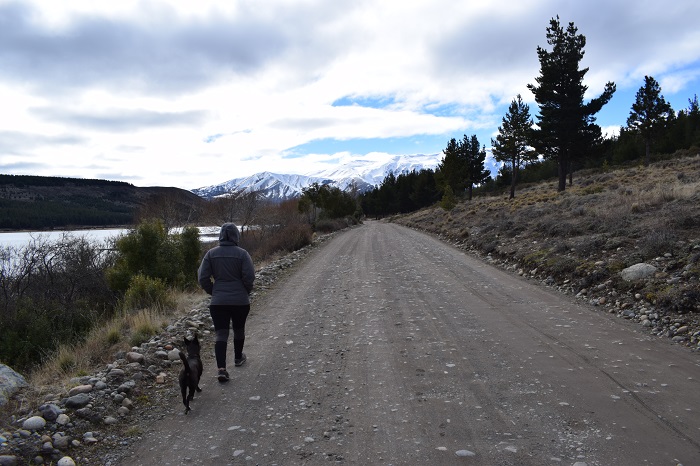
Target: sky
x=195 y=93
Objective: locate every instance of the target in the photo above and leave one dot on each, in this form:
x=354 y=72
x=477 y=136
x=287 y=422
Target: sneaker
x=240 y=362
x=223 y=376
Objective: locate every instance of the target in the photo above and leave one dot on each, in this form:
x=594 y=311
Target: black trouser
x=227 y=316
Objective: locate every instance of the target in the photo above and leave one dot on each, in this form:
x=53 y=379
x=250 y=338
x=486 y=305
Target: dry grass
x=119 y=334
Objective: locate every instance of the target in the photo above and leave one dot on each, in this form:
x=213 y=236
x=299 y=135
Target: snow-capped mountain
x=360 y=175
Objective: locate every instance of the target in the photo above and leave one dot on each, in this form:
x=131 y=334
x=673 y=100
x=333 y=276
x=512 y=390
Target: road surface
x=387 y=346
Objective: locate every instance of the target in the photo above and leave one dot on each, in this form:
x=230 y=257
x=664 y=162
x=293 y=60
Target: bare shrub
x=657 y=243
x=679 y=299
x=50 y=292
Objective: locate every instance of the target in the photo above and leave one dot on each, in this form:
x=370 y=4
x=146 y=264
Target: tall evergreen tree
x=473 y=157
x=511 y=143
x=567 y=128
x=450 y=170
x=650 y=113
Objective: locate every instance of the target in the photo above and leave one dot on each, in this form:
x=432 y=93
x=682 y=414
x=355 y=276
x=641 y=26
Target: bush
x=146 y=292
x=329 y=226
x=150 y=251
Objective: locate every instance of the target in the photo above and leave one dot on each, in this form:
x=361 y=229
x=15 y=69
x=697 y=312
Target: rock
x=34 y=423
x=8 y=460
x=134 y=357
x=80 y=389
x=115 y=374
x=62 y=419
x=89 y=414
x=61 y=442
x=126 y=387
x=50 y=412
x=638 y=271
x=77 y=401
x=10 y=382
x=66 y=461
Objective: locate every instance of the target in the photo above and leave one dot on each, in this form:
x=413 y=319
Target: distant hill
x=38 y=202
x=358 y=175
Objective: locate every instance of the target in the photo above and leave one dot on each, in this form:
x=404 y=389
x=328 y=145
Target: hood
x=229 y=235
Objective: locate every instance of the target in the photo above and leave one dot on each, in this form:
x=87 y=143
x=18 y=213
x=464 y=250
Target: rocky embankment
x=103 y=413
x=623 y=294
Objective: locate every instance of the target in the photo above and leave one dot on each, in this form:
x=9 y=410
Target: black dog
x=191 y=372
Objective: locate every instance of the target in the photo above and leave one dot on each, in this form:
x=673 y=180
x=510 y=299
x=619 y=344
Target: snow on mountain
x=361 y=175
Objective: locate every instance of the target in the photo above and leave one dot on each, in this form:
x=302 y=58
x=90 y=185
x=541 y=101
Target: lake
x=19 y=239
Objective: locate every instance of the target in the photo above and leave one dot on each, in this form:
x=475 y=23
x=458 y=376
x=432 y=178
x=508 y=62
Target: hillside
x=580 y=240
x=35 y=202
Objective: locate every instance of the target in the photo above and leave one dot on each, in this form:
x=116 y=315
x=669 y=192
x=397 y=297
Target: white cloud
x=193 y=93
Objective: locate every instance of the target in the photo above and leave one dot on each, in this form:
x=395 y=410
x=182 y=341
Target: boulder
x=10 y=382
x=639 y=271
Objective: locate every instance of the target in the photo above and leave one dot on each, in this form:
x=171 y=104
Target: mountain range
x=360 y=175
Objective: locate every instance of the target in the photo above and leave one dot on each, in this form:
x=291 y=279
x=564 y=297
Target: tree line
x=562 y=138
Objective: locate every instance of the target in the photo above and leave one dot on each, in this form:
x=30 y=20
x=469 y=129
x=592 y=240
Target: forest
x=39 y=202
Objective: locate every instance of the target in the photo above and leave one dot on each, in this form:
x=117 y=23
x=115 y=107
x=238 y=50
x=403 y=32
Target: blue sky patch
x=365 y=101
x=424 y=144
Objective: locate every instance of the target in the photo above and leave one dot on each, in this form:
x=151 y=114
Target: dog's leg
x=185 y=399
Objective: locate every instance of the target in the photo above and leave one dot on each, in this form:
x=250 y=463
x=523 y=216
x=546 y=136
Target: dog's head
x=192 y=345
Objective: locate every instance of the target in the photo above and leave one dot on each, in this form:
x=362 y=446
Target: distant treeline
x=39 y=202
x=34 y=180
x=43 y=214
x=408 y=192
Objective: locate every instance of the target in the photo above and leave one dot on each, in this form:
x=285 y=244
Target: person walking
x=227 y=274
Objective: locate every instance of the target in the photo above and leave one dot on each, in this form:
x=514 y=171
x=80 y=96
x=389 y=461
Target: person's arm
x=248 y=275
x=204 y=275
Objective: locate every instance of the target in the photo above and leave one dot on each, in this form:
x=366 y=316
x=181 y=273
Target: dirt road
x=387 y=346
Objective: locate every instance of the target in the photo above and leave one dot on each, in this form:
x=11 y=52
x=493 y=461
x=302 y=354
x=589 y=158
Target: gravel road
x=387 y=346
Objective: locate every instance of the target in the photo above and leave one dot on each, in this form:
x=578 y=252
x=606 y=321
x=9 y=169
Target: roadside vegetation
x=68 y=305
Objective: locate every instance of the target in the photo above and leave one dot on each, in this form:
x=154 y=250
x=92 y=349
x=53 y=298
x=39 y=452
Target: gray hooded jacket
x=231 y=269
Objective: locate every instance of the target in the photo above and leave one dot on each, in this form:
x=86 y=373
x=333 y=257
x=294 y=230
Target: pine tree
x=473 y=157
x=511 y=143
x=450 y=170
x=650 y=113
x=567 y=128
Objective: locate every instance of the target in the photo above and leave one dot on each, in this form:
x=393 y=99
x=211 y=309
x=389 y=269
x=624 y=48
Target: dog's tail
x=185 y=364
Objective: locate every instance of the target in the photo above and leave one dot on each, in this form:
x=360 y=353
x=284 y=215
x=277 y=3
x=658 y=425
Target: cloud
x=119 y=120
x=232 y=88
x=17 y=142
x=163 y=54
